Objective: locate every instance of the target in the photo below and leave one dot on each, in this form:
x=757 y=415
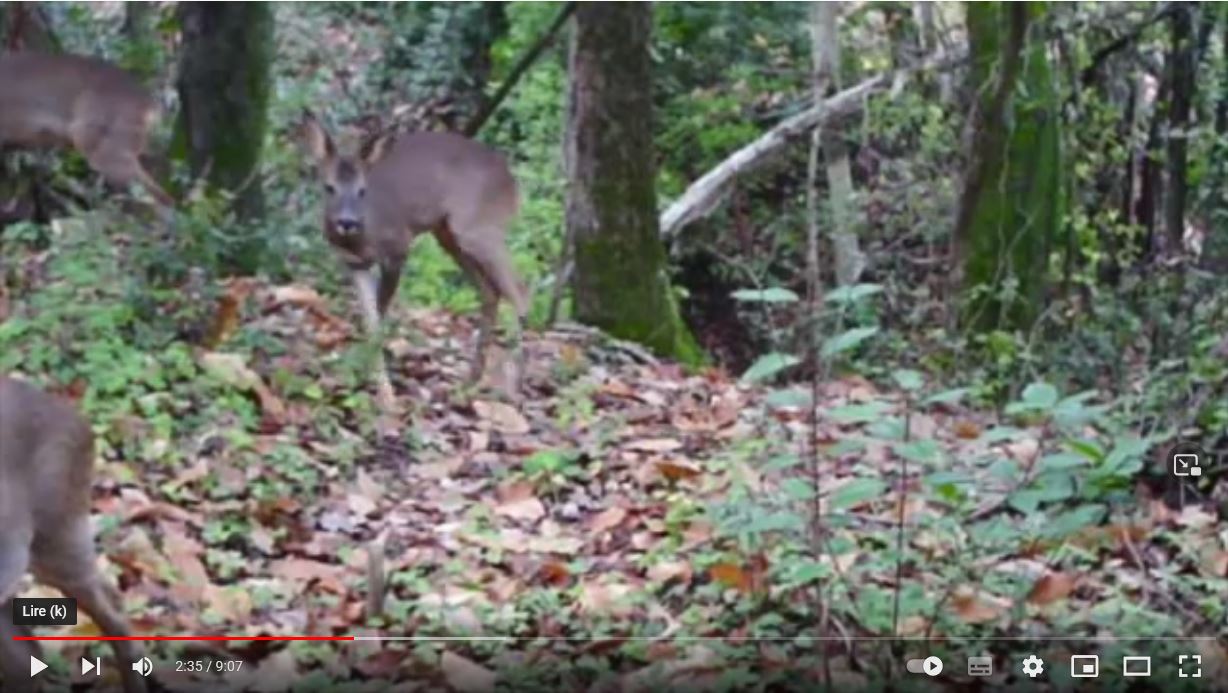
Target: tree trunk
x=1009 y=209
x=1215 y=249
x=849 y=260
x=621 y=282
x=224 y=83
x=1182 y=66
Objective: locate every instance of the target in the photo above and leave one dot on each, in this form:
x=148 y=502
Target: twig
x=489 y=105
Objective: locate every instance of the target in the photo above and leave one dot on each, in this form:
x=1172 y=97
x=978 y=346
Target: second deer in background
x=379 y=200
x=91 y=105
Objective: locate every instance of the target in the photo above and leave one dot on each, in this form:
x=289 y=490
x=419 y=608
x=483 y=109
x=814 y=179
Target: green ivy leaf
x=846 y=341
x=769 y=365
x=851 y=294
x=908 y=379
x=773 y=294
x=857 y=492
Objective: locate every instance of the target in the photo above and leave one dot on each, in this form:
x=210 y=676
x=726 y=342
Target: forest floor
x=625 y=522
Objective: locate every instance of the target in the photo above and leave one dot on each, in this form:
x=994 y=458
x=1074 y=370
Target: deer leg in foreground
x=14 y=656
x=389 y=279
x=65 y=561
x=366 y=285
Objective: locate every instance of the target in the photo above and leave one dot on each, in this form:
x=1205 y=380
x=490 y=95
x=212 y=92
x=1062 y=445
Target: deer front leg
x=366 y=285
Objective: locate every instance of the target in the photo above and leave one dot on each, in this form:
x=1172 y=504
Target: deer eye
x=362 y=192
x=330 y=189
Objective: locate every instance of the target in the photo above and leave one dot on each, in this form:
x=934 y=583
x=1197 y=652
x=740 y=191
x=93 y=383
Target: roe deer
x=46 y=468
x=379 y=200
x=93 y=106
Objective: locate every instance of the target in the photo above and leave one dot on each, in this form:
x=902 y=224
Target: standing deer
x=46 y=470
x=85 y=103
x=379 y=200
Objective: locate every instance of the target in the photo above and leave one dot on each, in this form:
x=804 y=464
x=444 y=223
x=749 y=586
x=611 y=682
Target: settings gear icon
x=1033 y=666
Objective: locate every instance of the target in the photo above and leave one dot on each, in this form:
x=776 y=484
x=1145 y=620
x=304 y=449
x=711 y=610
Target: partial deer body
x=394 y=189
x=69 y=100
x=46 y=470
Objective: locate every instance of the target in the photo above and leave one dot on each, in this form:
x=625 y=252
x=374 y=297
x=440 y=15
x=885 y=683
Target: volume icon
x=143 y=666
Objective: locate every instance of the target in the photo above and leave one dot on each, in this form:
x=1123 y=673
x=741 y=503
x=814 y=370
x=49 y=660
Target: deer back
x=46 y=455
x=429 y=179
x=67 y=99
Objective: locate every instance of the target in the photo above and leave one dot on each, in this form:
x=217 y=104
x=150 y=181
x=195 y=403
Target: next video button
x=44 y=611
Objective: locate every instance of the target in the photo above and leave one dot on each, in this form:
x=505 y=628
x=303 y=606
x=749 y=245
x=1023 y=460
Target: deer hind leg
x=65 y=561
x=115 y=153
x=14 y=655
x=487 y=320
x=487 y=250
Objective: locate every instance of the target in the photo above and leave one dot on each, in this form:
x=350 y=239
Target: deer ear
x=375 y=147
x=315 y=139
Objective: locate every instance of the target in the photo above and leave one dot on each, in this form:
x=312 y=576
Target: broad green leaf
x=806 y=571
x=772 y=522
x=908 y=379
x=769 y=365
x=788 y=397
x=1087 y=448
x=849 y=294
x=773 y=294
x=856 y=492
x=920 y=451
x=797 y=489
x=1046 y=488
x=858 y=413
x=946 y=396
x=1061 y=461
x=847 y=340
x=1065 y=524
x=1040 y=396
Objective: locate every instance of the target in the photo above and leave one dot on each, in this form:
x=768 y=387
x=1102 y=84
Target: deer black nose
x=347 y=225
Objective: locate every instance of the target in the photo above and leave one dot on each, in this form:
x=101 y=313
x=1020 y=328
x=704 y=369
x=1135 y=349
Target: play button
x=932 y=666
x=36 y=666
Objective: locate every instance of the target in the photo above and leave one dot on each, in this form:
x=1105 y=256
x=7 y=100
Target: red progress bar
x=103 y=638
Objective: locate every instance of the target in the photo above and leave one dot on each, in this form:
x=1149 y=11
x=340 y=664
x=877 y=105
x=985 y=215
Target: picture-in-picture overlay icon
x=1084 y=666
x=1187 y=460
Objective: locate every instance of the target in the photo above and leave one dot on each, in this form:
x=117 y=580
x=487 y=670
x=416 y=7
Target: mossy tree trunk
x=621 y=282
x=224 y=83
x=1010 y=205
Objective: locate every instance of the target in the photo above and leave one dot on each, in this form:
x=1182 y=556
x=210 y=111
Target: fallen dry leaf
x=973 y=606
x=502 y=417
x=654 y=445
x=606 y=520
x=1052 y=587
x=466 y=675
x=232 y=370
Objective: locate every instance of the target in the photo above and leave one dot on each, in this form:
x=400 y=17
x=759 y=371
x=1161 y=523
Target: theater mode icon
x=1135 y=666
